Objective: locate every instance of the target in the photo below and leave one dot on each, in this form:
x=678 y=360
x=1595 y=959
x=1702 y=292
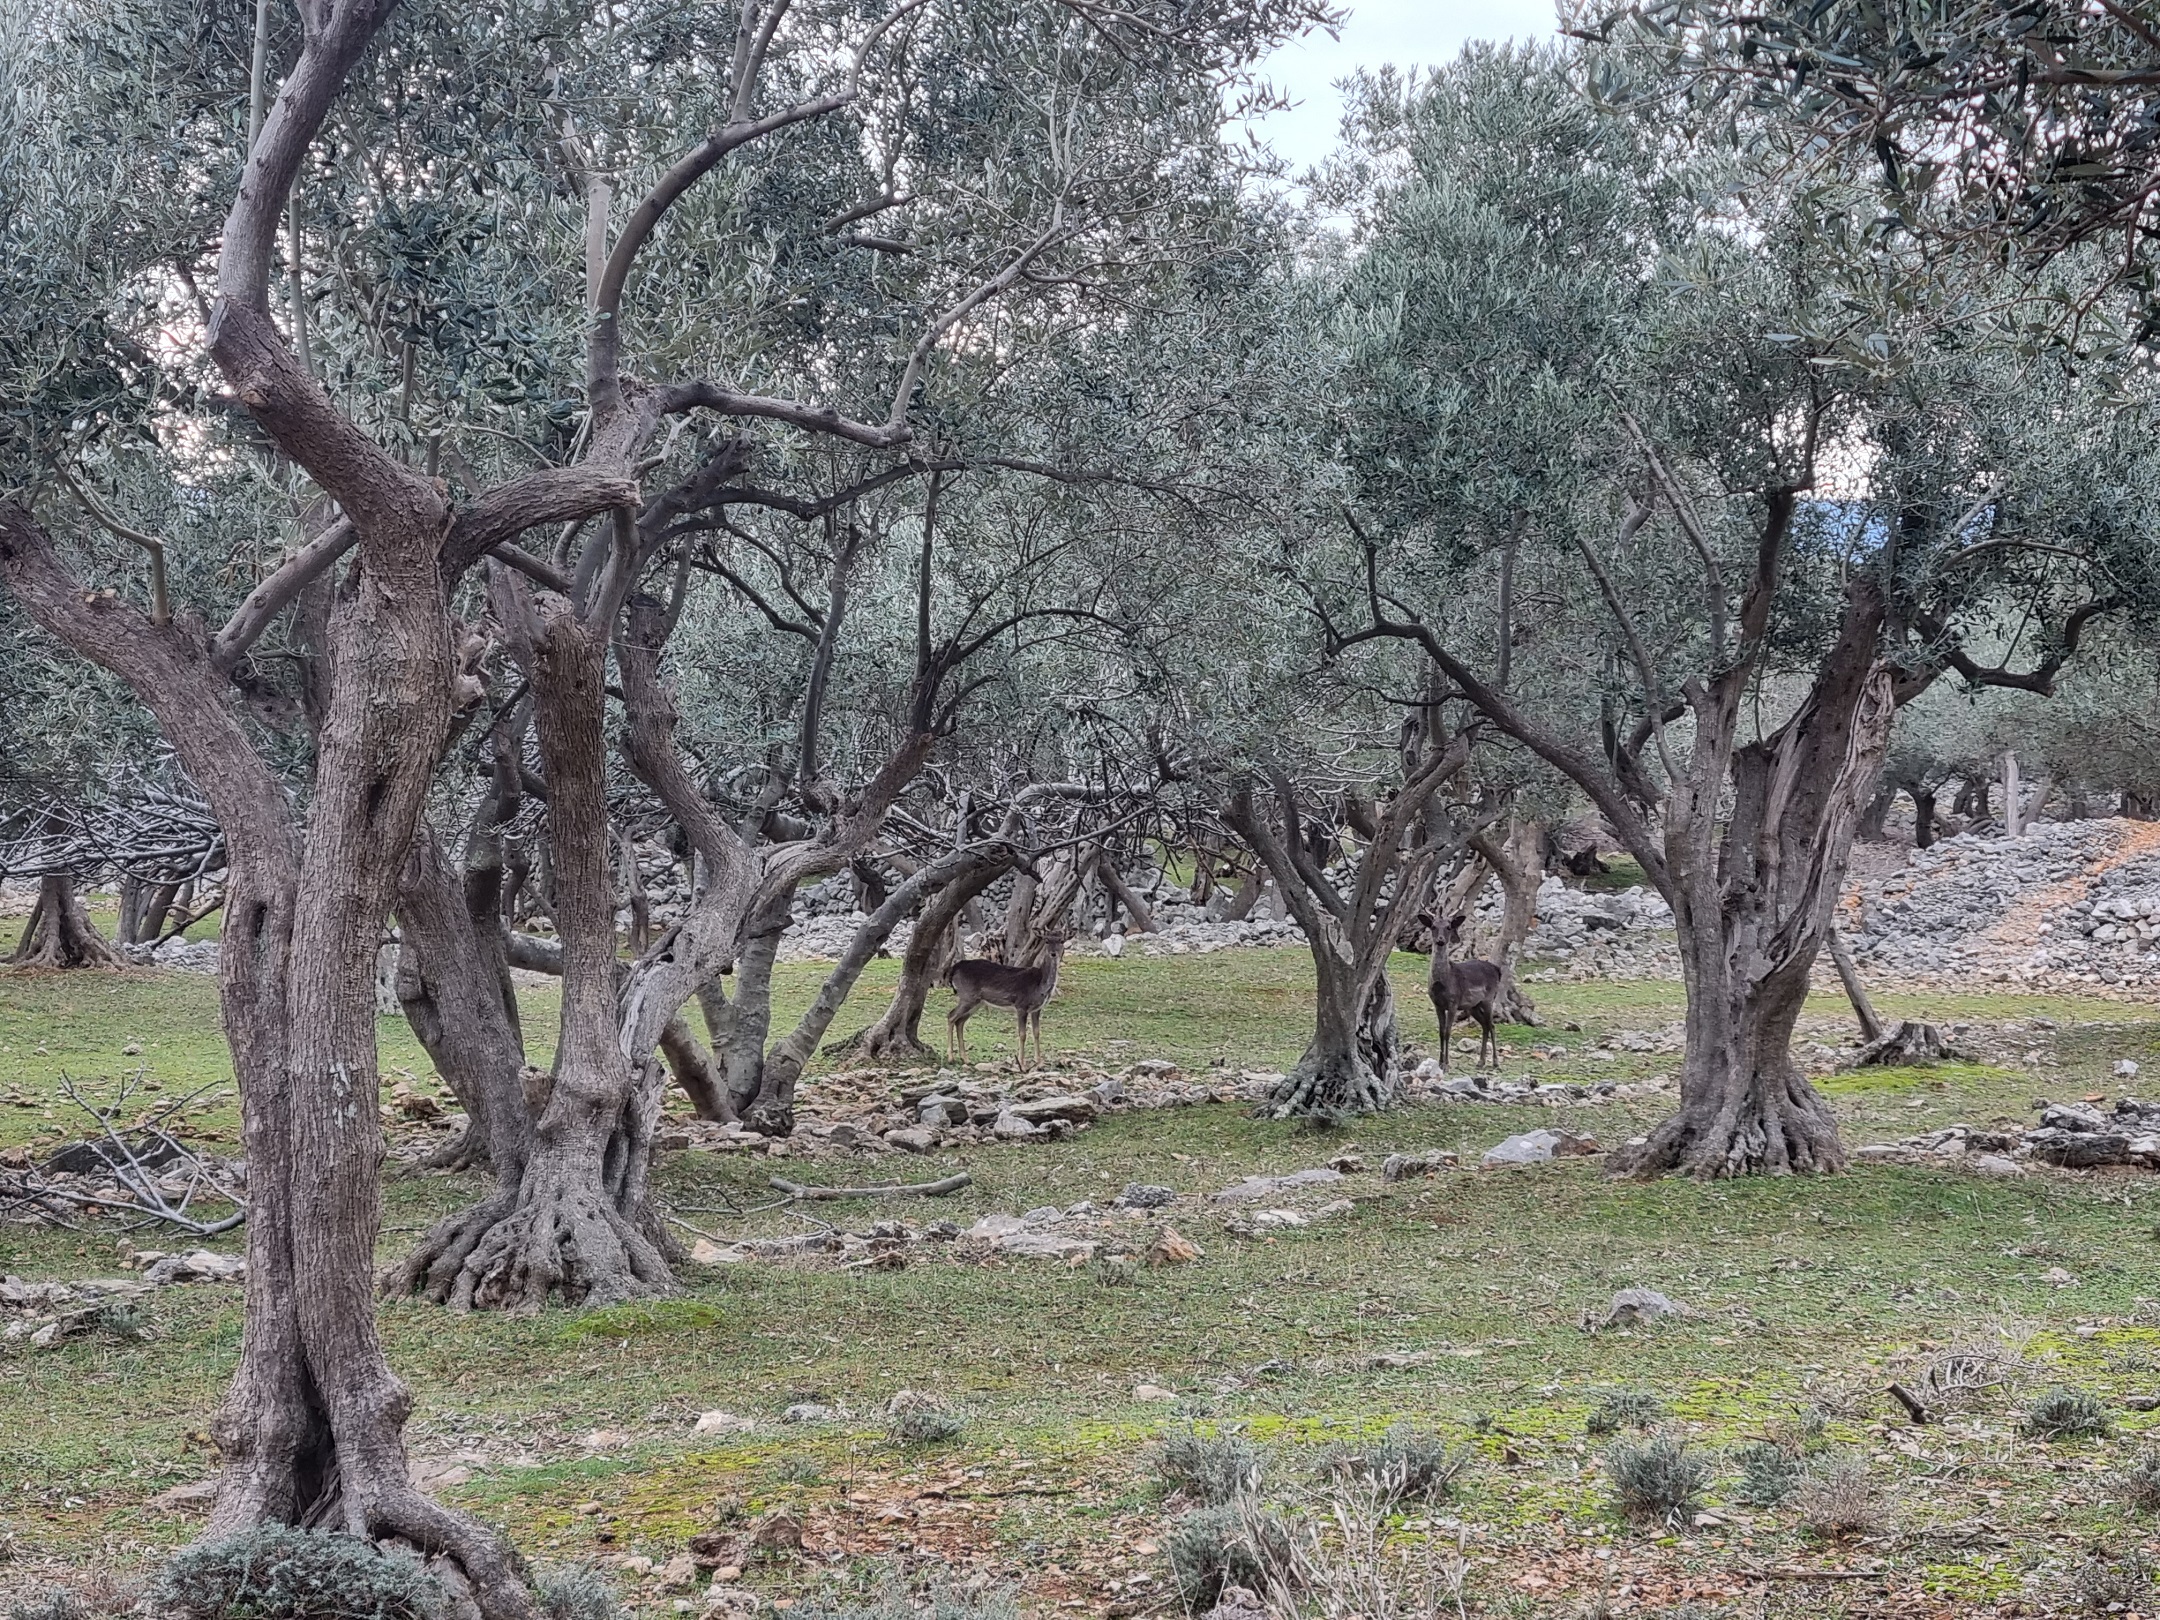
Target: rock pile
x=1594 y=935
x=2074 y=902
x=2070 y=1136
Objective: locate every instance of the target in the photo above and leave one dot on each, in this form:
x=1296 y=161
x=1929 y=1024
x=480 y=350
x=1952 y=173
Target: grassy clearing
x=1809 y=1296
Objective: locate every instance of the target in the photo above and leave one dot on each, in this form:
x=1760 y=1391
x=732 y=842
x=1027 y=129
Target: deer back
x=979 y=979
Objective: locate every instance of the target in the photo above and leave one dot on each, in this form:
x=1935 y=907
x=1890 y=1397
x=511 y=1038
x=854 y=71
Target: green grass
x=1805 y=1291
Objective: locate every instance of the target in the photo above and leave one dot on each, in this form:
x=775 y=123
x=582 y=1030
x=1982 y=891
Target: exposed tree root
x=59 y=933
x=1769 y=1125
x=1335 y=1085
x=515 y=1254
x=1913 y=1041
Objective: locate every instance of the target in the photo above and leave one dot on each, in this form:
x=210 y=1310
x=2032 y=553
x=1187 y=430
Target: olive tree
x=1755 y=512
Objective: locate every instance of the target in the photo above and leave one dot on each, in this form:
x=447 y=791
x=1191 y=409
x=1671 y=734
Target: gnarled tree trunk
x=1353 y=1064
x=58 y=933
x=1754 y=893
x=574 y=1222
x=773 y=1110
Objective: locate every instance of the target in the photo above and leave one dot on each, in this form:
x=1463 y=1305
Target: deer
x=976 y=980
x=1468 y=987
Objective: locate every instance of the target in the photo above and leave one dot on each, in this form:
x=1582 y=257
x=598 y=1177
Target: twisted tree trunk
x=59 y=934
x=1753 y=894
x=574 y=1222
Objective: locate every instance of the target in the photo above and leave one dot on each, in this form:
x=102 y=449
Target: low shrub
x=894 y=1601
x=1833 y=1498
x=1403 y=1464
x=1211 y=1469
x=573 y=1592
x=1624 y=1409
x=275 y=1572
x=2139 y=1484
x=56 y=1603
x=2101 y=1585
x=926 y=1425
x=1769 y=1474
x=1657 y=1478
x=1235 y=1544
x=2065 y=1414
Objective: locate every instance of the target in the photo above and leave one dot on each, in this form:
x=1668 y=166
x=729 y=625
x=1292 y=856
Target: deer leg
x=956 y=1028
x=1486 y=1037
x=1446 y=1015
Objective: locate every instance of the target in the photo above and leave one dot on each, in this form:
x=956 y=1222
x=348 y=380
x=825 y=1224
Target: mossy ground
x=1806 y=1293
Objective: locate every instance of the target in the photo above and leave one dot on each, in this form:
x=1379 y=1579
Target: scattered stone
x=195 y=1496
x=809 y=1412
x=1143 y=1195
x=604 y=1440
x=1536 y=1147
x=202 y=1265
x=705 y=1252
x=433 y=1474
x=912 y=1139
x=1238 y=1603
x=1172 y=1248
x=1254 y=1188
x=991 y=1228
x=723 y=1423
x=1048 y=1246
x=1073 y=1110
x=2126 y=1068
x=2056 y=1277
x=777 y=1531
x=678 y=1573
x=1994 y=1164
x=1153 y=1392
x=912 y=1400
x=1638 y=1306
x=1402 y=1166
x=1010 y=1127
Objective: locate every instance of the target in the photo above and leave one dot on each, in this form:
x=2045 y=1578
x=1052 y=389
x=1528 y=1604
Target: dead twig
x=920 y=1189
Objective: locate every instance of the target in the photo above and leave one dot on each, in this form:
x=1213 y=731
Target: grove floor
x=574 y=1430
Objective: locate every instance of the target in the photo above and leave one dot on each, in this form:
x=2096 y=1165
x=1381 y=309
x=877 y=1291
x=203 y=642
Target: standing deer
x=977 y=980
x=1469 y=986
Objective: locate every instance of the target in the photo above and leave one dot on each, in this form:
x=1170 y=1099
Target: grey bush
x=1238 y=1544
x=573 y=1592
x=2139 y=1484
x=926 y=1425
x=275 y=1572
x=1404 y=1464
x=1624 y=1409
x=1656 y=1478
x=2065 y=1414
x=1212 y=1469
x=1768 y=1474
x=893 y=1601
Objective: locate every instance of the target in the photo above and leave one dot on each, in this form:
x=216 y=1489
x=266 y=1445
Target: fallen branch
x=920 y=1189
x=1911 y=1402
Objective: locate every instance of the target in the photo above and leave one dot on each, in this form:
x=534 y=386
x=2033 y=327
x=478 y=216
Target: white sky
x=1408 y=33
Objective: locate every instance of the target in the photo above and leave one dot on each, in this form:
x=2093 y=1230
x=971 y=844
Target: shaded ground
x=575 y=1430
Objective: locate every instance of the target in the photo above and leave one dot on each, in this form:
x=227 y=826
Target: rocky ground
x=2070 y=902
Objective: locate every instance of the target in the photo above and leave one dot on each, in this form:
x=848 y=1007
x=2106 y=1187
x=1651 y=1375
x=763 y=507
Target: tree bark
x=1753 y=894
x=1353 y=1064
x=59 y=934
x=576 y=1223
x=1136 y=909
x=1516 y=863
x=1855 y=992
x=1923 y=809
